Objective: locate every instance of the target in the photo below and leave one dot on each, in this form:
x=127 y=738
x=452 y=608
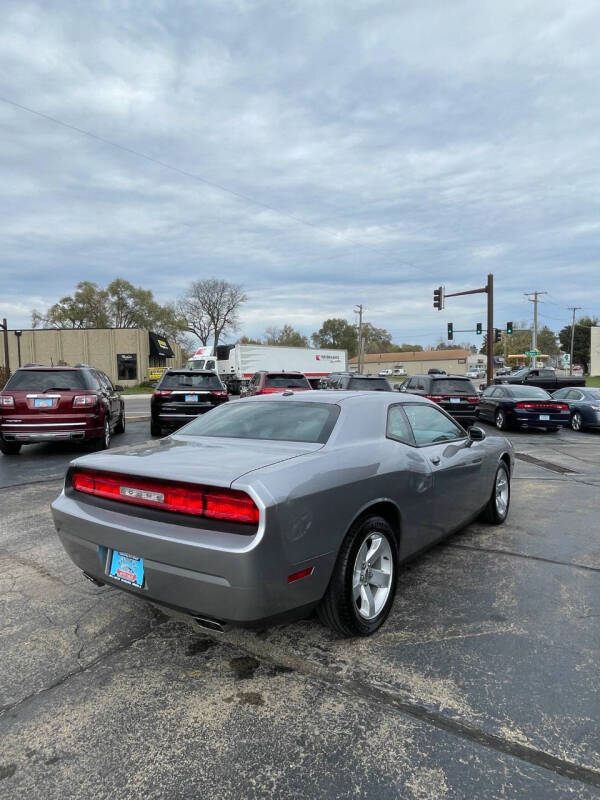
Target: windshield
x=369 y=384
x=452 y=386
x=284 y=381
x=42 y=380
x=520 y=373
x=189 y=380
x=286 y=421
x=528 y=392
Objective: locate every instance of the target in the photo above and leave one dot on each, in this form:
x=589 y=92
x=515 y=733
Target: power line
x=213 y=184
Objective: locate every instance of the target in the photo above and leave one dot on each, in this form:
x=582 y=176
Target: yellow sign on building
x=156 y=373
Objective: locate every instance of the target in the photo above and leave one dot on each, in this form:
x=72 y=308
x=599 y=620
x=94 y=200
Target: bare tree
x=210 y=308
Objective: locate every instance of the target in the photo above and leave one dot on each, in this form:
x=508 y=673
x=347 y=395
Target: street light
x=18 y=335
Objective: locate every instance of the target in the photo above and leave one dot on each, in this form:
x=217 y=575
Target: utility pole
x=573 y=309
x=4 y=326
x=535 y=301
x=359 y=310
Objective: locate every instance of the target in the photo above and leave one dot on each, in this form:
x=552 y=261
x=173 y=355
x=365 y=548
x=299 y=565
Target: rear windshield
x=527 y=392
x=287 y=421
x=284 y=381
x=369 y=384
x=189 y=380
x=42 y=380
x=452 y=386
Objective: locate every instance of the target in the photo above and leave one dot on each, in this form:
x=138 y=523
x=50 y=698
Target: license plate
x=127 y=568
x=42 y=402
x=455 y=399
x=191 y=398
x=544 y=417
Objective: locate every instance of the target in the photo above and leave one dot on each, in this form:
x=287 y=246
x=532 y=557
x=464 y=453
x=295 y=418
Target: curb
x=137 y=418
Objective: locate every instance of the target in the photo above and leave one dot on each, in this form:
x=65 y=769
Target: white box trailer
x=246 y=359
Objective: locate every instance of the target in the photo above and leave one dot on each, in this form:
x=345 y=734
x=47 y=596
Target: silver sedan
x=270 y=507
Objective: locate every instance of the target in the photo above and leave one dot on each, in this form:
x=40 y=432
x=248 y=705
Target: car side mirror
x=476 y=434
x=119 y=388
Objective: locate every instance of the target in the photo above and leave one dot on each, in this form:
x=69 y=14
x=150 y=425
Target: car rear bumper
x=30 y=434
x=525 y=421
x=229 y=578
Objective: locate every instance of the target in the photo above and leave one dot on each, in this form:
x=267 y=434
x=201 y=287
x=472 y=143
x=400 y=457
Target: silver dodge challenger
x=269 y=507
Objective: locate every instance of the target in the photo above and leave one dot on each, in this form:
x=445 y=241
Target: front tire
x=363 y=583
x=10 y=448
x=497 y=507
x=155 y=429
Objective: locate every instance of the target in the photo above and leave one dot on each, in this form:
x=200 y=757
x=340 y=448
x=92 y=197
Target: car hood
x=195 y=459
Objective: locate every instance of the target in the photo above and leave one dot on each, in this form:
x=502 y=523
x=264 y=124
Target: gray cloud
x=419 y=146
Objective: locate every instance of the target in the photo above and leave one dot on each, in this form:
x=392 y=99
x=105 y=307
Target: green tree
x=248 y=340
x=88 y=307
x=581 y=342
x=377 y=340
x=210 y=308
x=411 y=348
x=338 y=334
x=286 y=336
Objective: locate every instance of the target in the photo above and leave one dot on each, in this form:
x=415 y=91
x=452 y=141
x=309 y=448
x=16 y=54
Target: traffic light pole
x=489 y=290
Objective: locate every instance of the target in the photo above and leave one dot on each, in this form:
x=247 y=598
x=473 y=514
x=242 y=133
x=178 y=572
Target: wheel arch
x=383 y=507
x=506 y=459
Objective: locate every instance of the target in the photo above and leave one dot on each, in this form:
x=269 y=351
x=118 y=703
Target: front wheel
x=10 y=448
x=496 y=509
x=363 y=583
x=155 y=429
x=500 y=420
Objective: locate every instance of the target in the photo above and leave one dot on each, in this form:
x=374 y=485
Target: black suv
x=41 y=404
x=454 y=393
x=182 y=395
x=353 y=381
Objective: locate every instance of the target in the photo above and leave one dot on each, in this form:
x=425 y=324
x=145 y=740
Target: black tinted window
x=287 y=421
x=528 y=392
x=189 y=380
x=41 y=380
x=452 y=386
x=284 y=381
x=369 y=384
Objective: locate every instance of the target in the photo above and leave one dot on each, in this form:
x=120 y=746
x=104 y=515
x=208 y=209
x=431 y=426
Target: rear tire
x=103 y=442
x=500 y=420
x=155 y=429
x=361 y=591
x=10 y=448
x=497 y=507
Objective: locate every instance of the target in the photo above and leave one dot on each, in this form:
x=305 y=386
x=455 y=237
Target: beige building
x=451 y=361
x=595 y=351
x=124 y=354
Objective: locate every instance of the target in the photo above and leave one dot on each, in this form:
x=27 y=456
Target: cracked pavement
x=482 y=684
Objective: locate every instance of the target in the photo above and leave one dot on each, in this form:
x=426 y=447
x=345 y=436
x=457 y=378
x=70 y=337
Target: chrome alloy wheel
x=577 y=421
x=106 y=433
x=502 y=493
x=372 y=575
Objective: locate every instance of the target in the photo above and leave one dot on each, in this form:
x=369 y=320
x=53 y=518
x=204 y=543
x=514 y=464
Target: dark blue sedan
x=584 y=406
x=515 y=406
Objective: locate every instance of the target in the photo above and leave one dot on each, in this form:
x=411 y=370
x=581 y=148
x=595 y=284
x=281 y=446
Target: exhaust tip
x=93 y=580
x=210 y=624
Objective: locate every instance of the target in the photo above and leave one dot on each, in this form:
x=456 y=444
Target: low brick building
x=451 y=361
x=124 y=354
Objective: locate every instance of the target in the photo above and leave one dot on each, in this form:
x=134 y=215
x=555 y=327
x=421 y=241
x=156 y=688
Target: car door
x=486 y=405
x=114 y=397
x=457 y=464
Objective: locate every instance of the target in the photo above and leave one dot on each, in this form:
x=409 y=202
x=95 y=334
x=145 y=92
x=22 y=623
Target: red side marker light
x=304 y=573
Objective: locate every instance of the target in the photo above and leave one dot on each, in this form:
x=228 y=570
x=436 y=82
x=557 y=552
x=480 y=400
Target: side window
x=561 y=394
x=412 y=384
x=105 y=381
x=95 y=379
x=397 y=425
x=431 y=426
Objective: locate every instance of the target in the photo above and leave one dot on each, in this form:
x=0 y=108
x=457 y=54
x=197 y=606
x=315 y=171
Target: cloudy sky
x=322 y=154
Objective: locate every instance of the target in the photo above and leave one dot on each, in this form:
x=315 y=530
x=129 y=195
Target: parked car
x=502 y=371
x=386 y=372
x=270 y=507
x=41 y=404
x=584 y=406
x=475 y=373
x=183 y=394
x=264 y=382
x=522 y=407
x=399 y=371
x=353 y=381
x=454 y=393
x=544 y=377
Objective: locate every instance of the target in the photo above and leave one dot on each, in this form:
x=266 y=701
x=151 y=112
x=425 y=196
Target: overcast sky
x=336 y=153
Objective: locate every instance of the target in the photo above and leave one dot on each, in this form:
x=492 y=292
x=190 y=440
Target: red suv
x=40 y=404
x=264 y=382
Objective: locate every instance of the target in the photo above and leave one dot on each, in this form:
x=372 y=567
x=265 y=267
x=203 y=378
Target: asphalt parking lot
x=482 y=684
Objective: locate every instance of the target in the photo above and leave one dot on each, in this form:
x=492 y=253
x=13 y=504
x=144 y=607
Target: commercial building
x=451 y=361
x=127 y=355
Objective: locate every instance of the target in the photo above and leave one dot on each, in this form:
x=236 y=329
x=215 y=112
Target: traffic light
x=438 y=298
x=450 y=331
x=478 y=329
x=497 y=335
x=509 y=328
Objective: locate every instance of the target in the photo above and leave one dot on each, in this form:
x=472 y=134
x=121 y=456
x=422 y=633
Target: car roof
x=323 y=396
x=40 y=367
x=183 y=371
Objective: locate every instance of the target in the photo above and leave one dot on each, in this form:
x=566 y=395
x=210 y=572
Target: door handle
x=435 y=460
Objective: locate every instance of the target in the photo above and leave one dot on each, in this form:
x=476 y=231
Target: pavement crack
x=514 y=554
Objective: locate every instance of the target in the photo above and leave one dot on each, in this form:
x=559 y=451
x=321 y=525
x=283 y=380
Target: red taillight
x=437 y=398
x=269 y=390
x=84 y=400
x=7 y=401
x=224 y=504
x=219 y=394
x=535 y=406
x=161 y=392
x=473 y=399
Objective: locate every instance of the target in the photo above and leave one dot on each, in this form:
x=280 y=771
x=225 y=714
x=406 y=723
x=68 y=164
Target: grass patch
x=593 y=381
x=141 y=388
